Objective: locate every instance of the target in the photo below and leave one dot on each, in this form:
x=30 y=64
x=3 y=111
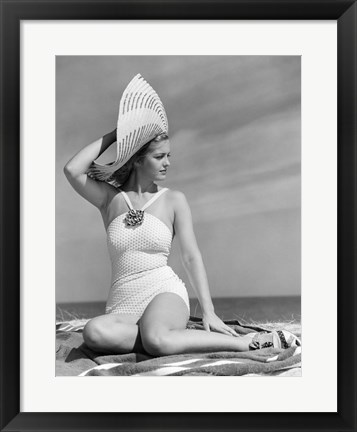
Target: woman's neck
x=139 y=186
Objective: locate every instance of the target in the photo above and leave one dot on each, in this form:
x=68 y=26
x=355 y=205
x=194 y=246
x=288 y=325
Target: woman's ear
x=138 y=162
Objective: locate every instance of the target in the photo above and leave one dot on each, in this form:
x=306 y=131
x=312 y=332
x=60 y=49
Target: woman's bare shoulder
x=175 y=194
x=177 y=198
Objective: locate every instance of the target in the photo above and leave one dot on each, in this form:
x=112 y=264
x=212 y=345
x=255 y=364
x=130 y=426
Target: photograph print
x=178 y=216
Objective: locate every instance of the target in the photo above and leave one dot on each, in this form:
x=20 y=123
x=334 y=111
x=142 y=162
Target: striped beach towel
x=73 y=357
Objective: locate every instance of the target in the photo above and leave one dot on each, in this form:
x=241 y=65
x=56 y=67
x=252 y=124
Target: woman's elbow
x=70 y=170
x=67 y=168
x=189 y=259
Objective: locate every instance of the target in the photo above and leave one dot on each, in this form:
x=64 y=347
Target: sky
x=235 y=134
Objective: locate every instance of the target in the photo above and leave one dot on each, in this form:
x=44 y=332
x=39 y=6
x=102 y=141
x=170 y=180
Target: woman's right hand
x=212 y=322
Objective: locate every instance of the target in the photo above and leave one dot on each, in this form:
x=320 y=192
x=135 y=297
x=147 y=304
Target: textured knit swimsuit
x=139 y=262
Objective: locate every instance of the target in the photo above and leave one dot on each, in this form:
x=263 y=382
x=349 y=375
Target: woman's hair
x=122 y=174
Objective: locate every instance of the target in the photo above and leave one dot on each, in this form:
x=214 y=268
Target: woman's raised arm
x=95 y=192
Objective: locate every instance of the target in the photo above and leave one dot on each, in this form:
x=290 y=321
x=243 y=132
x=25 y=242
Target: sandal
x=282 y=339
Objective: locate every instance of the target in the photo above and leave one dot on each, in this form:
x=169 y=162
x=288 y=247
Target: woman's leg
x=163 y=330
x=113 y=333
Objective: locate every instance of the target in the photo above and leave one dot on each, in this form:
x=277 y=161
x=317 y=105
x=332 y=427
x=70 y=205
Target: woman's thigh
x=167 y=311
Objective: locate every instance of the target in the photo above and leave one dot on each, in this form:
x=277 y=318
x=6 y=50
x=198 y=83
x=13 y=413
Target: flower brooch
x=134 y=217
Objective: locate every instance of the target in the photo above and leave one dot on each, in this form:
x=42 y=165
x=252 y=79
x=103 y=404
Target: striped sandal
x=282 y=339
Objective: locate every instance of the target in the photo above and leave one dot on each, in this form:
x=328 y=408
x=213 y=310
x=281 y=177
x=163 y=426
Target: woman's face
x=156 y=162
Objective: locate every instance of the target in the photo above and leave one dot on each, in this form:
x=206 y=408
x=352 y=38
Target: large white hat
x=142 y=117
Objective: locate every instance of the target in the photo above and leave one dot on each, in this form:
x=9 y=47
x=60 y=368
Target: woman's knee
x=93 y=334
x=156 y=342
x=165 y=312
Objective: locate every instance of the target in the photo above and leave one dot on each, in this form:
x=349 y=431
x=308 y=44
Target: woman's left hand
x=212 y=322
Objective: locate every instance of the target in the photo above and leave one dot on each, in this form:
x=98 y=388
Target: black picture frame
x=12 y=12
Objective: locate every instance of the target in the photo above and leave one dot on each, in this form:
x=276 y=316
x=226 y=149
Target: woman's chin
x=161 y=177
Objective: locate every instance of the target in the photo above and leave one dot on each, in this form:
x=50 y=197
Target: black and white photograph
x=178 y=198
x=178 y=215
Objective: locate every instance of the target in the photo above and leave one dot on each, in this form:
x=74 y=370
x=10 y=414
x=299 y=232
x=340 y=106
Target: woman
x=148 y=307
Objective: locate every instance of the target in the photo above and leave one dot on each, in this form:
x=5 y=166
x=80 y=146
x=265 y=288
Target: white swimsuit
x=139 y=262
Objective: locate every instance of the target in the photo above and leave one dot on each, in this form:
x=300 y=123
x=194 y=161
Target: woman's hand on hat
x=212 y=322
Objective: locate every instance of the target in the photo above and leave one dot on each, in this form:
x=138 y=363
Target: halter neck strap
x=146 y=205
x=127 y=200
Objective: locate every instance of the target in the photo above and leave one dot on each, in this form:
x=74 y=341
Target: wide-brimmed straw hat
x=142 y=118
